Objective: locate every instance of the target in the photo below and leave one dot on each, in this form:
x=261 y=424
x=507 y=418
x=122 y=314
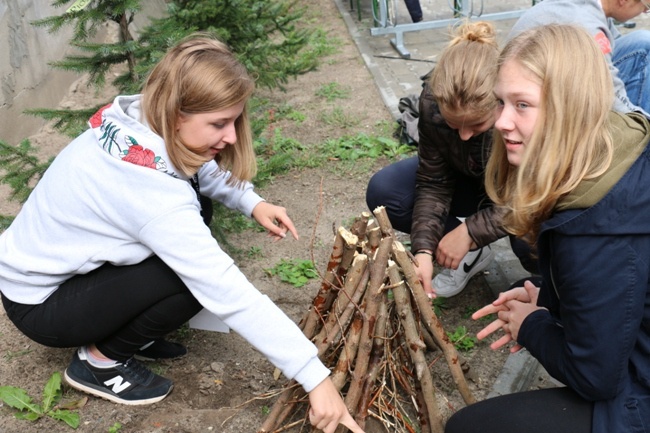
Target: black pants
x=415 y=10
x=118 y=308
x=394 y=187
x=556 y=410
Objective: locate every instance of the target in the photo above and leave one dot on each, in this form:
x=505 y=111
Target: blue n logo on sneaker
x=117 y=384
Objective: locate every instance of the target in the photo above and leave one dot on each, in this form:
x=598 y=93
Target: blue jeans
x=631 y=58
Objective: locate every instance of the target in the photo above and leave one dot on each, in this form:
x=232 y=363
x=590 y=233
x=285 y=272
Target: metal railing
x=384 y=18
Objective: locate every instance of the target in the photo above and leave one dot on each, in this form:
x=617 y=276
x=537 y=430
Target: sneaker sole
x=100 y=392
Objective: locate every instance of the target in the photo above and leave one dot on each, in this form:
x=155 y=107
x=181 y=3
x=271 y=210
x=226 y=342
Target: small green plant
x=461 y=339
x=332 y=91
x=439 y=304
x=364 y=146
x=11 y=355
x=266 y=410
x=254 y=252
x=338 y=118
x=294 y=272
x=115 y=428
x=286 y=111
x=18 y=398
x=296 y=116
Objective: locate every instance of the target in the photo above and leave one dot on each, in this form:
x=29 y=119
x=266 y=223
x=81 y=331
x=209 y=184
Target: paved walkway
x=397 y=75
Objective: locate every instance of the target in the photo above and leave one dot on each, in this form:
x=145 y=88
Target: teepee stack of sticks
x=372 y=324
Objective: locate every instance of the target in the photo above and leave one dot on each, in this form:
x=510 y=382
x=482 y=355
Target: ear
x=180 y=119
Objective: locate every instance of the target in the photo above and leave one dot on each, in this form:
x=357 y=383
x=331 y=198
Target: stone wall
x=26 y=79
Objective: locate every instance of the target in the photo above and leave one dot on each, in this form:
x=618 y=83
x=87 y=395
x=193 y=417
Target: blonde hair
x=570 y=140
x=463 y=79
x=199 y=75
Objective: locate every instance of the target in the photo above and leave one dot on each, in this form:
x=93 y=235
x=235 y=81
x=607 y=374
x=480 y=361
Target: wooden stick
x=341 y=314
x=374 y=237
x=350 y=242
x=371 y=301
x=383 y=221
x=313 y=316
x=415 y=346
x=432 y=322
x=282 y=406
x=423 y=416
x=348 y=353
x=375 y=362
x=360 y=225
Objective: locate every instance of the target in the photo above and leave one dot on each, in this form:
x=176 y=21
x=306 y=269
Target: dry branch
x=372 y=324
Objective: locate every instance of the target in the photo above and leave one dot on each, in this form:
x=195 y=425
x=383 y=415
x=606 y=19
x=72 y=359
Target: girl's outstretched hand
x=328 y=410
x=511 y=308
x=275 y=220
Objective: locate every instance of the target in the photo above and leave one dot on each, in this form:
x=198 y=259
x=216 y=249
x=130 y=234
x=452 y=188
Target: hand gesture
x=511 y=308
x=275 y=220
x=328 y=409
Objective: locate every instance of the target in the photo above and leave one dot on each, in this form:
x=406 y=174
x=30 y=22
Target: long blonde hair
x=570 y=140
x=200 y=75
x=464 y=76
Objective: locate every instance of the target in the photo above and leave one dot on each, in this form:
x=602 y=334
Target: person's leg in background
x=557 y=410
x=631 y=57
x=415 y=10
x=394 y=188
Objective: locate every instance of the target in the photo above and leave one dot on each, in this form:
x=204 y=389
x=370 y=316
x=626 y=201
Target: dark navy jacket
x=595 y=336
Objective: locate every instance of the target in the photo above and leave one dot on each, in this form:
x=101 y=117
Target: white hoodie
x=95 y=204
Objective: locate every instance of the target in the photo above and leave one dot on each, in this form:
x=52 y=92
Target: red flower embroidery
x=96 y=119
x=603 y=43
x=138 y=155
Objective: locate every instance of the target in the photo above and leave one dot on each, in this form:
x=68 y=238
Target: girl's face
x=207 y=134
x=518 y=92
x=467 y=124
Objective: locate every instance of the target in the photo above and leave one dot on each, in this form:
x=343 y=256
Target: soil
x=223 y=384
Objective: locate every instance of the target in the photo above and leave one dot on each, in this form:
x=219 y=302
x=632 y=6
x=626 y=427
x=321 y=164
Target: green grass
x=333 y=91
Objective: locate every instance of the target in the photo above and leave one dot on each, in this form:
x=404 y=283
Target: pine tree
x=262 y=33
x=87 y=17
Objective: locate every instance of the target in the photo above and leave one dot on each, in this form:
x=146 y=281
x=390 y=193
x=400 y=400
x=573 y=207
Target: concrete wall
x=26 y=79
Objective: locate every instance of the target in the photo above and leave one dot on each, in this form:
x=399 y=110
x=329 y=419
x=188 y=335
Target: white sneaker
x=452 y=283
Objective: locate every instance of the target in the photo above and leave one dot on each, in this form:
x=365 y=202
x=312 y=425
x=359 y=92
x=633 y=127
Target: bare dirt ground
x=220 y=386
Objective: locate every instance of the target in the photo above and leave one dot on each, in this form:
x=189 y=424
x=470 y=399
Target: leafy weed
x=18 y=398
x=295 y=272
x=462 y=340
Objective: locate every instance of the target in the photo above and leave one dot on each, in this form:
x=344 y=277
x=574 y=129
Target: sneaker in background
x=160 y=349
x=127 y=383
x=447 y=284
